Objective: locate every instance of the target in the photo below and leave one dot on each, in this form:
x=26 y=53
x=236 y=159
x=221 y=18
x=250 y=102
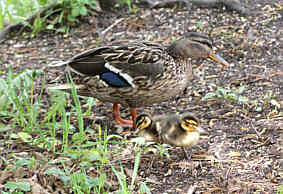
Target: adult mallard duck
x=179 y=130
x=136 y=74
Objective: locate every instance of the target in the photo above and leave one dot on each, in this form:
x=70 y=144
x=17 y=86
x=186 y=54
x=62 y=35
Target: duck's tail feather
x=66 y=86
x=82 y=90
x=58 y=63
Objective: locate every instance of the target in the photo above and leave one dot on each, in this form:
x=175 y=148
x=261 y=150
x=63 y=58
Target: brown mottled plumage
x=136 y=74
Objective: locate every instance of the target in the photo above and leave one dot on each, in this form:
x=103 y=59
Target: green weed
x=17 y=187
x=132 y=7
x=122 y=178
x=269 y=99
x=17 y=99
x=222 y=94
x=60 y=18
x=58 y=128
x=280 y=189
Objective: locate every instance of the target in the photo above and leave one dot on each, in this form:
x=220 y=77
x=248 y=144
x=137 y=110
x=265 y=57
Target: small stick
x=104 y=32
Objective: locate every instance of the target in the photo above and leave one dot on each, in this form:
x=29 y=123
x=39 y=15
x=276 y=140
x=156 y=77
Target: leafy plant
x=59 y=17
x=268 y=99
x=17 y=186
x=17 y=10
x=129 y=3
x=163 y=150
x=68 y=13
x=226 y=94
x=280 y=189
x=3 y=14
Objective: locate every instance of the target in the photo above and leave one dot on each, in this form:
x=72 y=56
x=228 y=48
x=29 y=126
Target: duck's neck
x=173 y=51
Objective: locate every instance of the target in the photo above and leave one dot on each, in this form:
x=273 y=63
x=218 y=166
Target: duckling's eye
x=143 y=123
x=191 y=122
x=189 y=125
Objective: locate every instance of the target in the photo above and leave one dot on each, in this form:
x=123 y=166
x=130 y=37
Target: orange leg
x=134 y=116
x=118 y=119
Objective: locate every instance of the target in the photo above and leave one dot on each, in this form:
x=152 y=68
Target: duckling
x=146 y=127
x=178 y=130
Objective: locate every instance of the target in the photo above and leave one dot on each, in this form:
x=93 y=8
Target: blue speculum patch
x=114 y=79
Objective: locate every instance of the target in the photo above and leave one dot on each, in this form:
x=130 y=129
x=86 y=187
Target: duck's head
x=194 y=45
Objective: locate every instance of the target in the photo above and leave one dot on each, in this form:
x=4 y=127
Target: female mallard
x=136 y=74
x=179 y=130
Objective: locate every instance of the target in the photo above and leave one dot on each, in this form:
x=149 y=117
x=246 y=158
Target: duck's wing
x=119 y=65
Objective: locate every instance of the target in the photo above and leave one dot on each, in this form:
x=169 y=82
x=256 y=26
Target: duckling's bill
x=218 y=59
x=202 y=131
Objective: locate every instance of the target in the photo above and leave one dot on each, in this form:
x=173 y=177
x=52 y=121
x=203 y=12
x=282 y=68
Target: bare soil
x=244 y=151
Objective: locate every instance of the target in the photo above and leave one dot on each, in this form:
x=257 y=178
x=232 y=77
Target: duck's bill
x=218 y=59
x=202 y=131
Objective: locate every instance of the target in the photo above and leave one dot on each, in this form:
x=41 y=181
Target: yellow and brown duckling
x=146 y=127
x=182 y=130
x=137 y=74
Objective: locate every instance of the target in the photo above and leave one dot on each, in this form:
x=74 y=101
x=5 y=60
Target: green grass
x=59 y=129
x=280 y=189
x=60 y=18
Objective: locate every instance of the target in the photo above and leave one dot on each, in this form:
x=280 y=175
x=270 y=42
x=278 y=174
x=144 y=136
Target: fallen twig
x=104 y=32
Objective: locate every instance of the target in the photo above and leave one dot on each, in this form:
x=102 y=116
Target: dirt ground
x=244 y=150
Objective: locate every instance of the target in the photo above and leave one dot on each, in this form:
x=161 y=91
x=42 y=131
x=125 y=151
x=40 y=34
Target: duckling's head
x=190 y=123
x=143 y=121
x=194 y=45
x=146 y=128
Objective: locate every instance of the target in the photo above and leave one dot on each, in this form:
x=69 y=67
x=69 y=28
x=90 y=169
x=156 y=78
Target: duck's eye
x=189 y=125
x=143 y=122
